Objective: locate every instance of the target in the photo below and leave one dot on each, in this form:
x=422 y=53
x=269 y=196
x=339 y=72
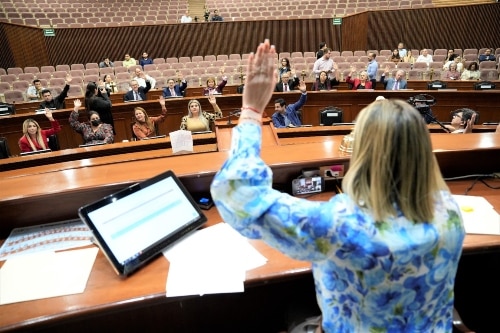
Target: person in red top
x=34 y=137
x=362 y=83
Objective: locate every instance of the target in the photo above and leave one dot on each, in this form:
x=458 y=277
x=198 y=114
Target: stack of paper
x=479 y=215
x=212 y=260
x=181 y=141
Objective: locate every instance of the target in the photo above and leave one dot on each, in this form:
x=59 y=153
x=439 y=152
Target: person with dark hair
x=50 y=102
x=462 y=120
x=34 y=137
x=284 y=68
x=145 y=60
x=94 y=131
x=106 y=63
x=175 y=90
x=395 y=57
x=472 y=72
x=98 y=100
x=487 y=56
x=385 y=252
x=325 y=83
x=321 y=51
x=34 y=91
x=287 y=115
x=216 y=17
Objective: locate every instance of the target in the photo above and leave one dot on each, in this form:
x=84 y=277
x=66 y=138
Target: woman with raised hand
x=145 y=126
x=94 y=131
x=198 y=120
x=34 y=137
x=384 y=253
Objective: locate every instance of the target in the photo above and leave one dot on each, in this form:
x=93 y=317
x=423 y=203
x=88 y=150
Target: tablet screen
x=134 y=225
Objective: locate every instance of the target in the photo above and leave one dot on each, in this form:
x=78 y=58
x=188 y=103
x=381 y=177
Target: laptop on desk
x=137 y=223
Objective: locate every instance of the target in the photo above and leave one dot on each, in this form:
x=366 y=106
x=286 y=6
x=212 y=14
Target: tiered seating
x=197 y=69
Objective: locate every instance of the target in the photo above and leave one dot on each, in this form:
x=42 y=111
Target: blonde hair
x=38 y=135
x=392 y=165
x=147 y=121
x=201 y=117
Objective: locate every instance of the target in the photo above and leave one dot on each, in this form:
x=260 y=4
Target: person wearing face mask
x=144 y=125
x=34 y=138
x=97 y=99
x=94 y=131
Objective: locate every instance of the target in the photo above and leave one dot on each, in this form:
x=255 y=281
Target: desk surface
x=106 y=292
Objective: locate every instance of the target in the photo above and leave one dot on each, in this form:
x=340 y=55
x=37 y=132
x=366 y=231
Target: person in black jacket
x=98 y=100
x=50 y=102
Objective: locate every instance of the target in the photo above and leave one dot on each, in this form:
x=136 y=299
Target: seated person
x=144 y=126
x=324 y=83
x=284 y=68
x=108 y=84
x=34 y=91
x=198 y=120
x=395 y=57
x=241 y=87
x=145 y=60
x=452 y=73
x=175 y=90
x=136 y=93
x=409 y=58
x=211 y=88
x=394 y=83
x=424 y=57
x=362 y=83
x=456 y=60
x=93 y=131
x=216 y=17
x=462 y=121
x=34 y=138
x=58 y=102
x=286 y=115
x=472 y=72
x=487 y=56
x=106 y=63
x=286 y=83
x=141 y=78
x=129 y=61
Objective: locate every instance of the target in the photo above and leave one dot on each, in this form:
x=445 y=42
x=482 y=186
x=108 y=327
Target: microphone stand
x=232 y=113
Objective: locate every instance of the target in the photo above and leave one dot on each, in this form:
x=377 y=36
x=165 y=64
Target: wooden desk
x=201 y=143
x=139 y=303
x=487 y=103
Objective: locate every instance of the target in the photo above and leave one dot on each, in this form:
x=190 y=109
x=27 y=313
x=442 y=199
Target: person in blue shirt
x=287 y=115
x=385 y=252
x=372 y=69
x=145 y=60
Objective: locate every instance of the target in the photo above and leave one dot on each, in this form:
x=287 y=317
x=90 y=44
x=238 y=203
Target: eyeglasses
x=457 y=115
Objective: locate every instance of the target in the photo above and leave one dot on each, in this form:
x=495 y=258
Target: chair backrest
x=330 y=115
x=435 y=85
x=14 y=96
x=4 y=148
x=53 y=142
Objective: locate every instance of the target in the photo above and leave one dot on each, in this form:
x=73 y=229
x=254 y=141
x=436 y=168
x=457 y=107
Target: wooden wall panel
x=26 y=46
x=441 y=27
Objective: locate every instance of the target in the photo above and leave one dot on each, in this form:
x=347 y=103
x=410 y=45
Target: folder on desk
x=478 y=215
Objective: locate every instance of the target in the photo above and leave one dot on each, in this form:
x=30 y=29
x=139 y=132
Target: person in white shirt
x=186 y=18
x=141 y=81
x=324 y=64
x=424 y=57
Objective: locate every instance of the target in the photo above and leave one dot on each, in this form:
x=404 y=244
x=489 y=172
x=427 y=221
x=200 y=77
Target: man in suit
x=57 y=102
x=287 y=115
x=175 y=90
x=137 y=93
x=394 y=83
x=286 y=84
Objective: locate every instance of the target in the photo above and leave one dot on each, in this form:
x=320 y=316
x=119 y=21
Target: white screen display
x=131 y=224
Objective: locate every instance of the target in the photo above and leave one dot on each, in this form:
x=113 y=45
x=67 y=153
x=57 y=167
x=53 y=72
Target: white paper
x=479 y=215
x=212 y=260
x=181 y=141
x=45 y=274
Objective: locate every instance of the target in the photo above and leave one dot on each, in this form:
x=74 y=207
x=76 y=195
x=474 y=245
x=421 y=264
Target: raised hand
x=48 y=114
x=77 y=103
x=162 y=101
x=260 y=78
x=211 y=99
x=302 y=86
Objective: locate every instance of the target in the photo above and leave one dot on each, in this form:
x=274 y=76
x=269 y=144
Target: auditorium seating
x=66 y=13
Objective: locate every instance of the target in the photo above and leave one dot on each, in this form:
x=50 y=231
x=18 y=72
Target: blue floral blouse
x=389 y=276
